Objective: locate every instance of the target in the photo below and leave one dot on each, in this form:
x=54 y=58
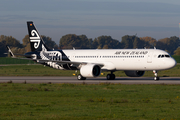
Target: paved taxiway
x=121 y=80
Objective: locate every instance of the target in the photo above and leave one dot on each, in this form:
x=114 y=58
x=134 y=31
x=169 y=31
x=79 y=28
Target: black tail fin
x=36 y=42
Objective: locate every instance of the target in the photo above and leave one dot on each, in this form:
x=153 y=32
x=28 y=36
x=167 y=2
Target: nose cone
x=171 y=63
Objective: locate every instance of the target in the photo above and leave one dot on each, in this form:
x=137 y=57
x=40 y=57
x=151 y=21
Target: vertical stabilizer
x=36 y=42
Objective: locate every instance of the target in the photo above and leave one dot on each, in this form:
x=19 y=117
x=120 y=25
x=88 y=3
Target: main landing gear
x=80 y=77
x=156 y=75
x=111 y=76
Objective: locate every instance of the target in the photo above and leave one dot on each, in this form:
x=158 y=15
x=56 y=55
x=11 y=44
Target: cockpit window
x=162 y=56
x=167 y=55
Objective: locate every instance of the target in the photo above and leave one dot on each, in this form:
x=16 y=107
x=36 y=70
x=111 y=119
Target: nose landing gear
x=156 y=78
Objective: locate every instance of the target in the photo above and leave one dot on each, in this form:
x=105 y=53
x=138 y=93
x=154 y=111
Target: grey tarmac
x=118 y=80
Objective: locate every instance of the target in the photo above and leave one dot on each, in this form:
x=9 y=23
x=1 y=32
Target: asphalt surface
x=121 y=80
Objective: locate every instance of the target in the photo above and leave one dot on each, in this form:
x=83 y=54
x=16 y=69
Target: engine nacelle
x=90 y=70
x=134 y=73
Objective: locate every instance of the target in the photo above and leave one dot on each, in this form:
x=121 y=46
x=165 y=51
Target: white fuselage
x=124 y=59
x=90 y=62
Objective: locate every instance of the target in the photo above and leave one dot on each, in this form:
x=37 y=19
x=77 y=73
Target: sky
x=55 y=18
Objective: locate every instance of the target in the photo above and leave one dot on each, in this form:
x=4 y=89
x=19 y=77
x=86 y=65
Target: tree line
x=71 y=41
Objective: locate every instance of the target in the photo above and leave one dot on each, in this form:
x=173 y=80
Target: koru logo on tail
x=35 y=38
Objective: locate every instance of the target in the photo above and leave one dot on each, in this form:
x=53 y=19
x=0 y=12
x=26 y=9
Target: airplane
x=91 y=62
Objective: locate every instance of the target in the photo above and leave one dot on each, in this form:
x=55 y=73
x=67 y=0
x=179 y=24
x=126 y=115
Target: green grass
x=177 y=58
x=6 y=60
x=40 y=70
x=104 y=101
x=32 y=70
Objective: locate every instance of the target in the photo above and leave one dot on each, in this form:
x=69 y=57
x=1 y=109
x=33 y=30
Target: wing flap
x=63 y=62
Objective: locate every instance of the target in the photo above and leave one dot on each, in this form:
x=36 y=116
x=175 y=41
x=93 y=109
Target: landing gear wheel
x=80 y=77
x=110 y=76
x=113 y=76
x=156 y=78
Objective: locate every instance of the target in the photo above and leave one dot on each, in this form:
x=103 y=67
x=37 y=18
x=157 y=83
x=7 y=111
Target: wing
x=44 y=61
x=63 y=62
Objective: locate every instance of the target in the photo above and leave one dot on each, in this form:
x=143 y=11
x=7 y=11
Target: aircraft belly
x=132 y=64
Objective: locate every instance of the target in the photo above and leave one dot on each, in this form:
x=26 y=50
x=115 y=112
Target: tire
x=110 y=76
x=80 y=77
x=113 y=76
x=156 y=78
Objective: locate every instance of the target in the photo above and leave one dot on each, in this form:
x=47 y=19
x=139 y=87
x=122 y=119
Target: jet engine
x=134 y=73
x=90 y=70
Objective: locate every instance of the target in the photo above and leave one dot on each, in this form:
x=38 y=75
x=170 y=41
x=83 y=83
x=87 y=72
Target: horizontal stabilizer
x=10 y=52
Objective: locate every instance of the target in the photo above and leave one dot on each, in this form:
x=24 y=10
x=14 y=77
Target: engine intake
x=90 y=70
x=134 y=73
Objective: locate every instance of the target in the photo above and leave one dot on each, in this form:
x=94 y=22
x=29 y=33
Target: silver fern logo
x=51 y=55
x=35 y=38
